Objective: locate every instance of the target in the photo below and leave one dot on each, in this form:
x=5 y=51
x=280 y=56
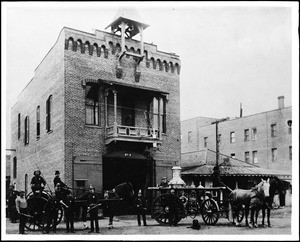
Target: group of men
x=62 y=197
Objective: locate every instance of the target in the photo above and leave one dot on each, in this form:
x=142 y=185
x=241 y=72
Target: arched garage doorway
x=122 y=166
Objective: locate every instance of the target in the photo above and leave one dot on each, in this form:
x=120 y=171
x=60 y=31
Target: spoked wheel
x=37 y=218
x=160 y=209
x=210 y=212
x=35 y=207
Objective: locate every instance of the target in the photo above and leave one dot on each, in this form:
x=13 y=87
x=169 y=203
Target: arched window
x=166 y=66
x=19 y=126
x=172 y=67
x=26 y=130
x=97 y=50
x=177 y=68
x=48 y=113
x=159 y=65
x=38 y=119
x=153 y=63
x=26 y=184
x=80 y=45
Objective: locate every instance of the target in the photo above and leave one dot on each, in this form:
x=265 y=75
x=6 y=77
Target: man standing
x=172 y=201
x=140 y=204
x=69 y=213
x=21 y=206
x=93 y=209
x=51 y=211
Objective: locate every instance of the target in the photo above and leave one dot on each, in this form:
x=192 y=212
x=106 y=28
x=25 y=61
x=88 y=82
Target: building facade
x=102 y=109
x=263 y=139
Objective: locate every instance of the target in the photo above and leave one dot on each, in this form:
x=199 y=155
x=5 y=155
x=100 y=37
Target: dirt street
x=127 y=225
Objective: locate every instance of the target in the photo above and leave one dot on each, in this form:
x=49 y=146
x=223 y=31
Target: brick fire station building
x=102 y=109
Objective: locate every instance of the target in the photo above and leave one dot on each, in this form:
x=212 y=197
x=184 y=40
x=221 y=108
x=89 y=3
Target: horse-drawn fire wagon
x=191 y=201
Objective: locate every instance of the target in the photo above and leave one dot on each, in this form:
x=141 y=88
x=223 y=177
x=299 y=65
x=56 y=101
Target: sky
x=231 y=55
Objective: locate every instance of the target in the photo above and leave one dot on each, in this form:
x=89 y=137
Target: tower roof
x=129 y=16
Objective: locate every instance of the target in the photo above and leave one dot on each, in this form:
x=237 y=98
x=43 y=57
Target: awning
x=137 y=86
x=207 y=170
x=125 y=155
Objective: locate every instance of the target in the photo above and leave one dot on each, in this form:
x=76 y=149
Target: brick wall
x=61 y=74
x=47 y=151
x=263 y=144
x=79 y=66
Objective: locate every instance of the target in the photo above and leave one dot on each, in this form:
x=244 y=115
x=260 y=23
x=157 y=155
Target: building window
x=289 y=123
x=232 y=137
x=190 y=136
x=247 y=156
x=274 y=155
x=15 y=167
x=163 y=122
x=273 y=130
x=254 y=134
x=232 y=155
x=219 y=139
x=159 y=111
x=246 y=135
x=92 y=104
x=19 y=126
x=48 y=113
x=205 y=142
x=26 y=184
x=26 y=131
x=290 y=153
x=38 y=127
x=254 y=157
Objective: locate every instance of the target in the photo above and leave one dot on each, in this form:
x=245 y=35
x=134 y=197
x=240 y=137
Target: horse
x=240 y=197
x=110 y=201
x=266 y=202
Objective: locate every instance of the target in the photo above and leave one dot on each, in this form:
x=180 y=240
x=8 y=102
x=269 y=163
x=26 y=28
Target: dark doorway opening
x=136 y=171
x=117 y=171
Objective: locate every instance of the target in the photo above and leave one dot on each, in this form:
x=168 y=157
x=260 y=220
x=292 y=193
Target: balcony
x=133 y=134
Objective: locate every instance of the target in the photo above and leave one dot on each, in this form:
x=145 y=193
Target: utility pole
x=216 y=173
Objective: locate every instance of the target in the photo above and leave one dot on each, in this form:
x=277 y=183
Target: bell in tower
x=128 y=23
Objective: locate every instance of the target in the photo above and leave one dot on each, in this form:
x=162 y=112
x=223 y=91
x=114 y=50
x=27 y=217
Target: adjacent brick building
x=102 y=109
x=263 y=139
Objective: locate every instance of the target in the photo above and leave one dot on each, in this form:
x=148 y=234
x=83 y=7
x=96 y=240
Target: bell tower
x=128 y=24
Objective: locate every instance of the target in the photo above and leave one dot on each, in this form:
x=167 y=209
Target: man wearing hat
x=171 y=200
x=140 y=204
x=93 y=209
x=164 y=183
x=57 y=180
x=37 y=182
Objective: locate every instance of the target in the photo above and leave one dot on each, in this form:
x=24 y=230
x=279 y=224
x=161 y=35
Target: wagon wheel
x=37 y=219
x=35 y=207
x=59 y=218
x=160 y=209
x=210 y=212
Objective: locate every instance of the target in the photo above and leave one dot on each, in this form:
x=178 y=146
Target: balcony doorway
x=128 y=114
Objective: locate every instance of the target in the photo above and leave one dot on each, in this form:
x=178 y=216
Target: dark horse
x=265 y=202
x=240 y=197
x=111 y=201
